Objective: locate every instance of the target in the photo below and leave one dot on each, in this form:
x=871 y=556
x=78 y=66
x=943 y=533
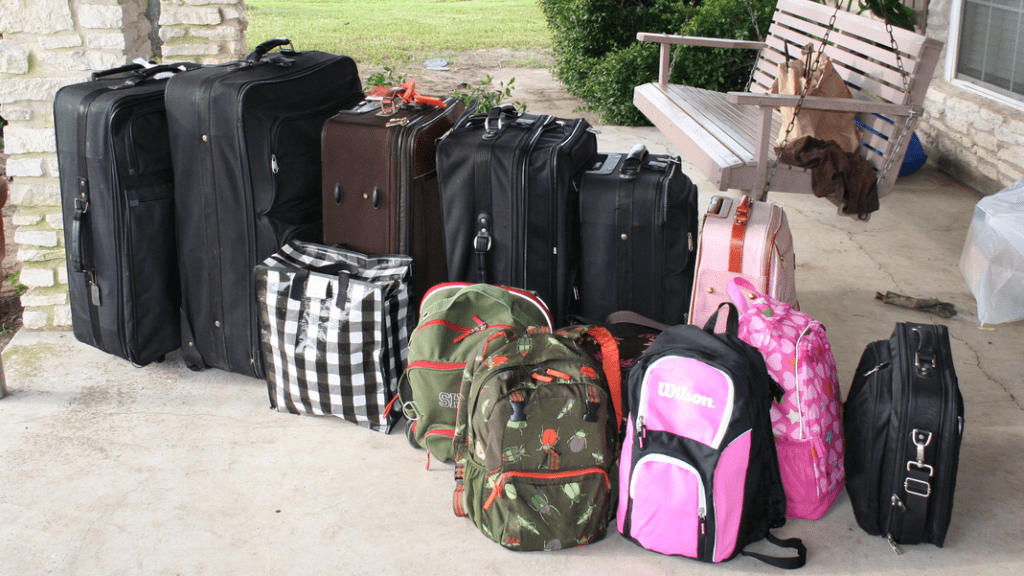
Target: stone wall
x=47 y=44
x=976 y=139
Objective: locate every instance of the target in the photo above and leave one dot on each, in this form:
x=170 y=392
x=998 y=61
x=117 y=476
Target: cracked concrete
x=110 y=469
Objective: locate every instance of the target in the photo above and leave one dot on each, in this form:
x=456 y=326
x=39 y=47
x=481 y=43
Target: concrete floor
x=110 y=469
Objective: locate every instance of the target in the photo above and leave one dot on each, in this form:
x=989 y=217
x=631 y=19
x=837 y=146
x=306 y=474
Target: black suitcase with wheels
x=509 y=199
x=245 y=139
x=117 y=190
x=639 y=235
x=904 y=421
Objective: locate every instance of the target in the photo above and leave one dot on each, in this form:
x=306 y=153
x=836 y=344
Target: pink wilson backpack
x=698 y=474
x=807 y=422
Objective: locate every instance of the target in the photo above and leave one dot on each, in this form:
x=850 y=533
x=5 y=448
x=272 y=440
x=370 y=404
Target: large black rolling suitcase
x=509 y=198
x=245 y=139
x=639 y=235
x=380 y=192
x=904 y=421
x=117 y=191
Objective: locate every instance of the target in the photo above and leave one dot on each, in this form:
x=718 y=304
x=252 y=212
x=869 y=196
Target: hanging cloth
x=815 y=73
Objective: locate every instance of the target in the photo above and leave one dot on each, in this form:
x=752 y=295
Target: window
x=987 y=45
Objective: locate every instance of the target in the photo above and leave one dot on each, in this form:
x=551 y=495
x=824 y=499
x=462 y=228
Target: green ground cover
x=399 y=31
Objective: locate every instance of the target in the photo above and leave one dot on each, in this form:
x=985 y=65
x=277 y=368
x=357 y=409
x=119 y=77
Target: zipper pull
x=898 y=503
x=273 y=163
x=876 y=369
x=701 y=517
x=643 y=430
x=892 y=543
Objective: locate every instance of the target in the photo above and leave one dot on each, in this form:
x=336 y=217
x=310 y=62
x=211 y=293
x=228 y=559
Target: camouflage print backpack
x=454 y=319
x=536 y=439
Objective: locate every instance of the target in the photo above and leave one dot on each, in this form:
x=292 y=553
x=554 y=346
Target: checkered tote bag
x=334 y=331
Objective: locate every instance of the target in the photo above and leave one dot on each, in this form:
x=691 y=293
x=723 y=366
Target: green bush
x=598 y=58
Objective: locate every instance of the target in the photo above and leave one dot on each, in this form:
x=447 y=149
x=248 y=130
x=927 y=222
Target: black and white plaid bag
x=334 y=331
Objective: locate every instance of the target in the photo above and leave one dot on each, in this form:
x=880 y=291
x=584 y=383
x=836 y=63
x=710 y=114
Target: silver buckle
x=921 y=439
x=927 y=487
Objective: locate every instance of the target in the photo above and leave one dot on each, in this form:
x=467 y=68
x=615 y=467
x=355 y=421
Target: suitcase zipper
x=897 y=507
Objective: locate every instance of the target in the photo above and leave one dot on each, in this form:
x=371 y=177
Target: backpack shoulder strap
x=785 y=562
x=610 y=364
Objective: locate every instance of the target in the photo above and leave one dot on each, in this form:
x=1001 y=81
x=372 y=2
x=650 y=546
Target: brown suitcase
x=380 y=192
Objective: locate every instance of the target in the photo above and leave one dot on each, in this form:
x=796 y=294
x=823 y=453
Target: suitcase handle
x=148 y=73
x=112 y=71
x=631 y=165
x=498 y=114
x=265 y=47
x=924 y=357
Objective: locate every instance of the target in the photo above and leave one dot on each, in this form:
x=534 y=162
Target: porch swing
x=729 y=137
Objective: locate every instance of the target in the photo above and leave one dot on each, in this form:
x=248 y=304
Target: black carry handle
x=786 y=563
x=631 y=165
x=924 y=356
x=78 y=255
x=732 y=322
x=148 y=73
x=496 y=119
x=118 y=70
x=342 y=270
x=265 y=47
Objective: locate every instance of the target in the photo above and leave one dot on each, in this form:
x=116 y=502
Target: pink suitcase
x=742 y=238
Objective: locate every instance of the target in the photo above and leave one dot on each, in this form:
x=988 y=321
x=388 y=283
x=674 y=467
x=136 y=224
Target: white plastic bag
x=993 y=257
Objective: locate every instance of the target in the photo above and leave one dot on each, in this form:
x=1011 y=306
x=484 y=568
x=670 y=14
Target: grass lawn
x=399 y=31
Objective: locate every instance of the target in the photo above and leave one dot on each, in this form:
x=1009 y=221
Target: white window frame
x=953 y=50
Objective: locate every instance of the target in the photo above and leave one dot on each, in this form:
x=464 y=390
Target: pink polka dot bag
x=807 y=423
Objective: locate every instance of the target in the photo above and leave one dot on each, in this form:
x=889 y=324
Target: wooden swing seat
x=730 y=137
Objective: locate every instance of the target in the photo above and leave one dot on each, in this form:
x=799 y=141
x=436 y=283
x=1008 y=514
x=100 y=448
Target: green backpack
x=454 y=319
x=536 y=439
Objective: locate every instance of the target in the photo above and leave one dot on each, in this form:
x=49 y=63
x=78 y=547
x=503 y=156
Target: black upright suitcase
x=117 y=190
x=380 y=192
x=245 y=139
x=509 y=198
x=904 y=421
x=639 y=235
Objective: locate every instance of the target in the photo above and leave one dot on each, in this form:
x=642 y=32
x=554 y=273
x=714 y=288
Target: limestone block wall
x=204 y=31
x=976 y=139
x=47 y=44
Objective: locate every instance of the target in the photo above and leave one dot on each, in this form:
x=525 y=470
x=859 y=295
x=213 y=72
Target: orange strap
x=612 y=371
x=739 y=230
x=407 y=91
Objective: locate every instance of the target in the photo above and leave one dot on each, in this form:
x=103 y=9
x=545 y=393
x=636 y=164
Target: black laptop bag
x=903 y=421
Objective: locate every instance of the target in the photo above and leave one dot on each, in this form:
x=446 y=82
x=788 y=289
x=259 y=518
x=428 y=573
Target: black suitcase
x=509 y=198
x=639 y=236
x=117 y=190
x=380 y=193
x=903 y=421
x=245 y=139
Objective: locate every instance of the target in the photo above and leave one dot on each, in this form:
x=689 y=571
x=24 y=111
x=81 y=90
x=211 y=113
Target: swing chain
x=906 y=94
x=799 y=103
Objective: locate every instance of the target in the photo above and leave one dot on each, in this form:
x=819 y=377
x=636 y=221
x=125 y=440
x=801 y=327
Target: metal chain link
x=906 y=93
x=799 y=103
